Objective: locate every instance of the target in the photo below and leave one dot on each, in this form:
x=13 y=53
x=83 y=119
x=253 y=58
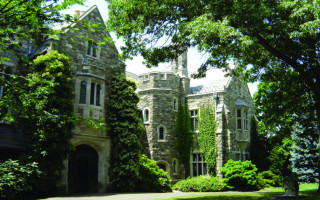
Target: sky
x=195 y=59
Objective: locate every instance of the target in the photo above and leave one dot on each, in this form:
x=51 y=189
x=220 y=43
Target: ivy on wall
x=184 y=134
x=207 y=136
x=125 y=132
x=41 y=104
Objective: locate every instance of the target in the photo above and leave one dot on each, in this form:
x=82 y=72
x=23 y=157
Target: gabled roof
x=215 y=81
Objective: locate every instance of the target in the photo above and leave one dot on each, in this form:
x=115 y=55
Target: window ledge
x=162 y=140
x=146 y=123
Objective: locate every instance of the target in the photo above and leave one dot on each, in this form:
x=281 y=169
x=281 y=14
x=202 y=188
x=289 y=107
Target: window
x=93 y=86
x=162 y=76
x=239 y=89
x=98 y=95
x=83 y=92
x=199 y=166
x=175 y=166
x=175 y=104
x=161 y=133
x=92 y=48
x=245 y=120
x=239 y=125
x=194 y=120
x=146 y=115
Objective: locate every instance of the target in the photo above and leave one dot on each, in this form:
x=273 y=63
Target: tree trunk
x=317 y=107
x=291 y=185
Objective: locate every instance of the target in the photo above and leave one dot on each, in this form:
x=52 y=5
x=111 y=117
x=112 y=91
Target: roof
x=215 y=81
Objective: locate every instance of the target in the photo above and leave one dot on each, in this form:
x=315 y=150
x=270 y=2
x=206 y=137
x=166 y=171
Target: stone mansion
x=160 y=95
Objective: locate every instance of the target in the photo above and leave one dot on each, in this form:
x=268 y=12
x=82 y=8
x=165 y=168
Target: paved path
x=128 y=196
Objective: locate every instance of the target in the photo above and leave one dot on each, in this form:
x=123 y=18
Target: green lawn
x=307 y=190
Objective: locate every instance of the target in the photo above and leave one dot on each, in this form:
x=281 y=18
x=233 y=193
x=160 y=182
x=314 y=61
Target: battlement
x=159 y=80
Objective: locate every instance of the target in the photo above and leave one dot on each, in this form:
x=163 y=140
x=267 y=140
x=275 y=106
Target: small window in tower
x=83 y=92
x=146 y=115
x=175 y=104
x=161 y=133
x=239 y=90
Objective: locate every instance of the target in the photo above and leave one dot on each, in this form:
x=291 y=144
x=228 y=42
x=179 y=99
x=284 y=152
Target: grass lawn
x=306 y=190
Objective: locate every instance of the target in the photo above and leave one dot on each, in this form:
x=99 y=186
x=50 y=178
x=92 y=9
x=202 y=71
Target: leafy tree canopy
x=30 y=19
x=255 y=34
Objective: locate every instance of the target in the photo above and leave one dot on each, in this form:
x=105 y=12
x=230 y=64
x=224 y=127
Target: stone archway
x=164 y=165
x=83 y=170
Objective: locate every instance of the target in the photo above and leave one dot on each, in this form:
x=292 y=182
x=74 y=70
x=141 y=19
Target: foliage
x=16 y=179
x=30 y=20
x=207 y=137
x=125 y=131
x=184 y=136
x=304 y=155
x=200 y=184
x=258 y=147
x=268 y=179
x=41 y=104
x=257 y=35
x=240 y=175
x=152 y=178
x=280 y=158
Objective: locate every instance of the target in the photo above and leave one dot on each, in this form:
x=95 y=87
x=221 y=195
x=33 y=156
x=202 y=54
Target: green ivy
x=125 y=131
x=41 y=104
x=185 y=136
x=207 y=136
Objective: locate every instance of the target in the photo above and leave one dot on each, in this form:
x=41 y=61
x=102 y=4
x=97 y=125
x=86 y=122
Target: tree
x=30 y=20
x=262 y=37
x=207 y=137
x=184 y=136
x=41 y=104
x=304 y=151
x=258 y=147
x=125 y=131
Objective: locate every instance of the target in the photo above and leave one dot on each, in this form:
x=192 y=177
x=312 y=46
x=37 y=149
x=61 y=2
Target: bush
x=200 y=184
x=268 y=179
x=240 y=175
x=16 y=180
x=152 y=178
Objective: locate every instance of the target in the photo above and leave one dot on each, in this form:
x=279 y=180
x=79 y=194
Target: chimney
x=77 y=13
x=82 y=12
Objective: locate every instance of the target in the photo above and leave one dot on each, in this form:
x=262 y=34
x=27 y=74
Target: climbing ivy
x=41 y=104
x=207 y=136
x=125 y=131
x=184 y=134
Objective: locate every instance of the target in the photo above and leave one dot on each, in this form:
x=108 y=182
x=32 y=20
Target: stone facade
x=161 y=92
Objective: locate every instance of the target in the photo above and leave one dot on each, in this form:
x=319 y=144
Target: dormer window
x=92 y=48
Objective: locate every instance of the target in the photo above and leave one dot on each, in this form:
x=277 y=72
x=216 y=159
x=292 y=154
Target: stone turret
x=180 y=65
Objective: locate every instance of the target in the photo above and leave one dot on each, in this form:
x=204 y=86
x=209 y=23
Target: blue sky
x=135 y=65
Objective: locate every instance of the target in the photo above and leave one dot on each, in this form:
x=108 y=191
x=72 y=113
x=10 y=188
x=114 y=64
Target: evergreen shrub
x=200 y=184
x=152 y=178
x=240 y=175
x=17 y=180
x=268 y=179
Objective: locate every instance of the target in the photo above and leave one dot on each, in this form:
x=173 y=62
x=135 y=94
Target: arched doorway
x=83 y=170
